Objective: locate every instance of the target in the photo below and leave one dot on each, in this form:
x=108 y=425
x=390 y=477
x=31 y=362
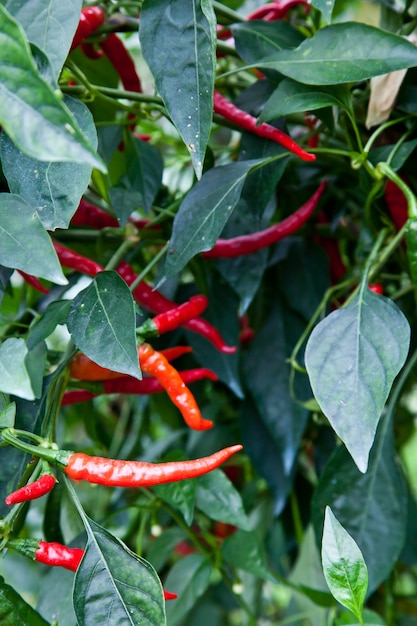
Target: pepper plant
x=208 y=288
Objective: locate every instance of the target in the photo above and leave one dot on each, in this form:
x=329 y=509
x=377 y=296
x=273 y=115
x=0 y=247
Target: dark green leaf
x=54 y=314
x=204 y=213
x=14 y=611
x=21 y=234
x=52 y=189
x=182 y=64
x=14 y=375
x=352 y=358
x=50 y=25
x=243 y=550
x=31 y=113
x=189 y=578
x=8 y=416
x=257 y=39
x=326 y=7
x=115 y=586
x=180 y=495
x=102 y=324
x=343 y=53
x=55 y=597
x=292 y=97
x=35 y=362
x=219 y=500
x=401 y=154
x=160 y=549
x=343 y=565
x=370 y=506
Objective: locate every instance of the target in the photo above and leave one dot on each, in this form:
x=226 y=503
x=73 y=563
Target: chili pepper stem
x=50 y=453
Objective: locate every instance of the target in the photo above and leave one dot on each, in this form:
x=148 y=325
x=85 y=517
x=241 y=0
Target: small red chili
x=173 y=318
x=248 y=244
x=56 y=554
x=34 y=282
x=32 y=491
x=155 y=364
x=377 y=288
x=117 y=473
x=115 y=50
x=75 y=261
x=88 y=214
x=247 y=122
x=91 y=19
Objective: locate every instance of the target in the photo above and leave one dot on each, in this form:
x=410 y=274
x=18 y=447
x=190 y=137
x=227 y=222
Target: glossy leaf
x=370 y=506
x=102 y=324
x=352 y=358
x=31 y=113
x=115 y=586
x=53 y=189
x=21 y=233
x=343 y=53
x=243 y=550
x=204 y=213
x=182 y=65
x=15 y=610
x=326 y=7
x=48 y=24
x=189 y=578
x=14 y=375
x=343 y=565
x=219 y=500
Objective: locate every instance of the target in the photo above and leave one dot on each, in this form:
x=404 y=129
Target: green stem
x=52 y=454
x=382 y=129
x=224 y=11
x=120 y=253
x=298 y=525
x=387 y=170
x=150 y=265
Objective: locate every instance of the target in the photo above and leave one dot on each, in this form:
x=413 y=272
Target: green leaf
x=326 y=7
x=48 y=24
x=343 y=565
x=189 y=578
x=182 y=64
x=370 y=506
x=180 y=495
x=292 y=97
x=352 y=358
x=55 y=595
x=243 y=550
x=204 y=212
x=52 y=189
x=25 y=244
x=115 y=586
x=258 y=39
x=54 y=314
x=16 y=611
x=8 y=416
x=102 y=324
x=219 y=500
x=343 y=53
x=14 y=375
x=31 y=113
x=35 y=362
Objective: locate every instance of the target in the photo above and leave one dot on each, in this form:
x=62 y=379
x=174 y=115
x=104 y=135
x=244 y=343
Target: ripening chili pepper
x=91 y=19
x=115 y=50
x=154 y=363
x=33 y=282
x=40 y=487
x=247 y=122
x=75 y=261
x=376 y=288
x=172 y=319
x=155 y=302
x=116 y=473
x=247 y=244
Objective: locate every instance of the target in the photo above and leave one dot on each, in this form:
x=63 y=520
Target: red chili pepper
x=32 y=491
x=247 y=333
x=247 y=122
x=174 y=353
x=56 y=554
x=154 y=301
x=247 y=244
x=117 y=473
x=312 y=123
x=33 y=282
x=377 y=288
x=154 y=363
x=172 y=319
x=397 y=204
x=331 y=246
x=168 y=595
x=88 y=214
x=128 y=384
x=115 y=50
x=277 y=10
x=91 y=52
x=91 y=19
x=77 y=262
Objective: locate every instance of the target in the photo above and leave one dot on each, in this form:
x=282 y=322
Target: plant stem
x=150 y=265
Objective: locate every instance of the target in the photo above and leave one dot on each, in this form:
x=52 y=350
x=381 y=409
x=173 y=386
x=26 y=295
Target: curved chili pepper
x=77 y=262
x=91 y=19
x=32 y=491
x=247 y=122
x=115 y=50
x=117 y=473
x=155 y=364
x=173 y=318
x=33 y=282
x=247 y=244
x=154 y=301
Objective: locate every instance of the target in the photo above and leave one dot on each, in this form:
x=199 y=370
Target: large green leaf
x=343 y=53
x=343 y=565
x=52 y=189
x=102 y=324
x=50 y=24
x=352 y=358
x=244 y=551
x=372 y=506
x=24 y=242
x=14 y=610
x=31 y=112
x=189 y=578
x=178 y=42
x=204 y=213
x=14 y=374
x=257 y=39
x=219 y=500
x=115 y=586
